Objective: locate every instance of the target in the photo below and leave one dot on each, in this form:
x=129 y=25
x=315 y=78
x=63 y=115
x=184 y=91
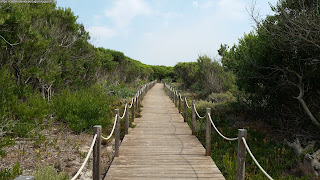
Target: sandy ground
x=58 y=146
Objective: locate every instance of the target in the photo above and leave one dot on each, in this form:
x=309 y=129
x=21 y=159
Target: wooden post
x=241 y=155
x=96 y=171
x=185 y=109
x=126 y=116
x=179 y=103
x=173 y=96
x=176 y=101
x=117 y=134
x=132 y=109
x=193 y=117
x=208 y=132
x=138 y=99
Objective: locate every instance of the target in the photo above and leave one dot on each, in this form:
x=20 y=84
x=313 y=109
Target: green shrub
x=83 y=109
x=222 y=97
x=8 y=174
x=8 y=97
x=33 y=110
x=121 y=90
x=49 y=173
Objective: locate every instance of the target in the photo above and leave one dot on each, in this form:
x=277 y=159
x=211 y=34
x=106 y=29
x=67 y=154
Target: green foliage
x=205 y=76
x=162 y=72
x=34 y=109
x=83 y=109
x=6 y=141
x=127 y=70
x=8 y=174
x=276 y=158
x=277 y=66
x=49 y=173
x=8 y=92
x=121 y=91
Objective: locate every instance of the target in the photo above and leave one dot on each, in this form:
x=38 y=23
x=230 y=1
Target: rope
x=187 y=103
x=86 y=160
x=254 y=159
x=114 y=126
x=198 y=113
x=124 y=112
x=229 y=139
x=131 y=104
x=180 y=97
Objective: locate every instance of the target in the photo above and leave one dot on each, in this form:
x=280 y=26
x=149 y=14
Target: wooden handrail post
x=138 y=99
x=208 y=132
x=132 y=108
x=185 y=109
x=117 y=134
x=241 y=155
x=179 y=103
x=96 y=171
x=193 y=118
x=176 y=96
x=126 y=116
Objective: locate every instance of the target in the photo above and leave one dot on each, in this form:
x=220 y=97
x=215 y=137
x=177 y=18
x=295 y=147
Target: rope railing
x=201 y=117
x=131 y=103
x=180 y=97
x=86 y=159
x=96 y=143
x=125 y=111
x=242 y=133
x=113 y=128
x=254 y=159
x=185 y=99
x=224 y=137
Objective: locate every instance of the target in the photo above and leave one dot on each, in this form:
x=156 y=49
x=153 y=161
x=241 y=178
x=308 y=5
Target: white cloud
x=124 y=11
x=195 y=4
x=204 y=5
x=101 y=33
x=232 y=9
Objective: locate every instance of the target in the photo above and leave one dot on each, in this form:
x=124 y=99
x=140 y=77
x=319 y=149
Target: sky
x=165 y=32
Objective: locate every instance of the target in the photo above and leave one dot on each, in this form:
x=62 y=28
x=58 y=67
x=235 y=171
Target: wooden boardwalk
x=161 y=146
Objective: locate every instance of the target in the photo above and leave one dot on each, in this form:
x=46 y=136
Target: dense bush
x=204 y=77
x=277 y=67
x=49 y=173
x=83 y=109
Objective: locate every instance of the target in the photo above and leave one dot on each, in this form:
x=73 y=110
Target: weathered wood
x=179 y=97
x=185 y=109
x=136 y=106
x=132 y=109
x=161 y=146
x=126 y=118
x=208 y=132
x=96 y=170
x=241 y=155
x=193 y=116
x=117 y=134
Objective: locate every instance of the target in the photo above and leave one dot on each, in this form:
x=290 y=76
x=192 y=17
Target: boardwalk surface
x=161 y=146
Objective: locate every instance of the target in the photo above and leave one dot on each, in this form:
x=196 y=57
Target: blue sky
x=164 y=32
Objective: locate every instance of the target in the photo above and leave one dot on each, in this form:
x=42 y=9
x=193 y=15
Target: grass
x=8 y=174
x=49 y=173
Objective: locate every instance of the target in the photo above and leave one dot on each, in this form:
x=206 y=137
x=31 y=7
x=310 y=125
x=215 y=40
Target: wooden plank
x=162 y=146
